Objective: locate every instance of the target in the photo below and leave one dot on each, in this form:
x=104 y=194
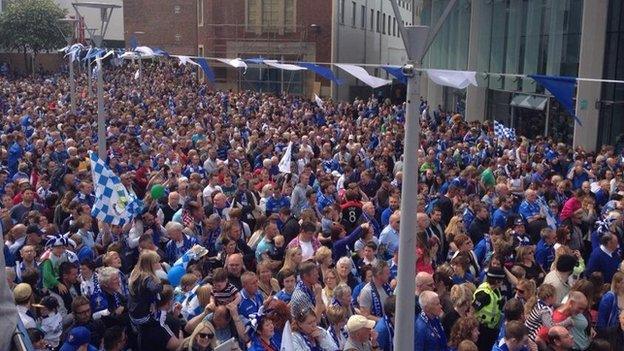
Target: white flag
x=284 y=165
x=137 y=74
x=287 y=342
x=319 y=102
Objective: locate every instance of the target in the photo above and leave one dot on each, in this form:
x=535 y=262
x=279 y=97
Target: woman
x=323 y=258
x=262 y=331
x=330 y=280
x=337 y=317
x=454 y=228
x=461 y=296
x=525 y=258
x=464 y=245
x=611 y=303
x=145 y=287
x=344 y=268
x=112 y=259
x=293 y=258
x=460 y=264
x=278 y=312
x=266 y=283
x=308 y=336
x=202 y=338
x=525 y=290
x=466 y=328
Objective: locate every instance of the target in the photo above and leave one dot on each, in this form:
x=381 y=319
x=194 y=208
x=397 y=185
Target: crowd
x=517 y=241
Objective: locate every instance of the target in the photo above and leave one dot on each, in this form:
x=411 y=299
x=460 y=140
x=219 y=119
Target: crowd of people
x=517 y=241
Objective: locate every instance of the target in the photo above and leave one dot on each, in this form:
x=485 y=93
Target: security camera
x=408 y=70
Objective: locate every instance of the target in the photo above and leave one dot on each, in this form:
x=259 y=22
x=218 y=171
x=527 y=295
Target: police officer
x=487 y=302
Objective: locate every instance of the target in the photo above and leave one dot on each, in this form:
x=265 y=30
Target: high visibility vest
x=490 y=314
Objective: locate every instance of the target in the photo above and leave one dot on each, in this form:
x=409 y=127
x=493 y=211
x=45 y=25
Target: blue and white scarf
x=376 y=307
x=390 y=327
x=309 y=293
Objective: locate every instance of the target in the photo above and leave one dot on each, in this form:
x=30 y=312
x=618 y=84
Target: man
x=298 y=198
x=51 y=262
x=307 y=293
x=516 y=338
x=251 y=299
x=213 y=185
x=487 y=302
x=606 y=258
x=393 y=205
x=68 y=273
x=179 y=242
x=519 y=234
x=389 y=237
x=480 y=225
x=558 y=278
x=563 y=315
x=235 y=267
x=531 y=212
x=428 y=331
x=267 y=245
x=362 y=337
x=501 y=215
x=81 y=311
x=374 y=294
x=28 y=254
x=78 y=340
x=545 y=250
x=290 y=224
x=19 y=211
x=23 y=299
x=424 y=282
x=171 y=207
x=385 y=326
x=560 y=339
x=306 y=240
x=106 y=301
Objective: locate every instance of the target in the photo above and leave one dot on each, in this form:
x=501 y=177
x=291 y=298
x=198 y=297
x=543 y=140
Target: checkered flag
x=113 y=203
x=502 y=132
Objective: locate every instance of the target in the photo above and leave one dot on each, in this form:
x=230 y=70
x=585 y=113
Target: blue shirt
x=600 y=261
x=429 y=336
x=528 y=210
x=249 y=304
x=390 y=239
x=544 y=255
x=385 y=216
x=173 y=251
x=274 y=204
x=468 y=216
x=282 y=295
x=323 y=201
x=385 y=334
x=499 y=219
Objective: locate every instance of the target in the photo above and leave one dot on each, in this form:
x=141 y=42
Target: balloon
x=175 y=274
x=157 y=191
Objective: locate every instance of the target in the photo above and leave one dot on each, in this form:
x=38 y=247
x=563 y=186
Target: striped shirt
x=541 y=315
x=226 y=296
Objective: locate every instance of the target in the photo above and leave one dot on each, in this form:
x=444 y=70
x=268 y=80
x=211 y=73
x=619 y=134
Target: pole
x=140 y=70
x=404 y=340
x=89 y=84
x=101 y=121
x=72 y=86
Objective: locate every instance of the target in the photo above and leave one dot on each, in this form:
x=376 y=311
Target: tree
x=32 y=26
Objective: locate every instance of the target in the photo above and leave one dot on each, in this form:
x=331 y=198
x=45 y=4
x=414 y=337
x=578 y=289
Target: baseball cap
x=357 y=322
x=77 y=337
x=518 y=221
x=22 y=293
x=496 y=273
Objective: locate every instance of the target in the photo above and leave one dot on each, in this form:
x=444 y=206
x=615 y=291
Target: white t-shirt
x=307 y=251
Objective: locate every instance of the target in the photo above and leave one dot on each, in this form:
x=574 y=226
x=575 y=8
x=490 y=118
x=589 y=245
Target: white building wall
x=360 y=45
x=92 y=17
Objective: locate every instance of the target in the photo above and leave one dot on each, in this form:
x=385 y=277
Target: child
x=224 y=291
x=287 y=280
x=51 y=321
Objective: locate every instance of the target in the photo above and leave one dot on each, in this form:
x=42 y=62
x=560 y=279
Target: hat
x=22 y=293
x=357 y=322
x=518 y=221
x=77 y=337
x=496 y=273
x=566 y=263
x=33 y=228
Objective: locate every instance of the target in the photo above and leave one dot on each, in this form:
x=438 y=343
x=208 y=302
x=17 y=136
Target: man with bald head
x=577 y=303
x=560 y=339
x=424 y=282
x=235 y=267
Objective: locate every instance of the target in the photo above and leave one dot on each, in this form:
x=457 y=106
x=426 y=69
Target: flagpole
x=101 y=121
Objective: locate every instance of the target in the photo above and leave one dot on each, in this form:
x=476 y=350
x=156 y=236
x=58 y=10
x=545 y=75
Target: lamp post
x=69 y=38
x=417 y=40
x=140 y=64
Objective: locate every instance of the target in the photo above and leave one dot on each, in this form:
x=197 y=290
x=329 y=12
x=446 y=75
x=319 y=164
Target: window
x=200 y=13
x=378 y=21
x=363 y=19
x=394 y=25
x=383 y=28
x=389 y=25
x=270 y=16
x=353 y=10
x=342 y=11
x=372 y=19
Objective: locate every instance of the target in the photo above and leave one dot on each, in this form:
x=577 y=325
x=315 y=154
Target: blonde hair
x=289 y=256
x=204 y=293
x=454 y=228
x=108 y=257
x=460 y=295
x=322 y=253
x=336 y=314
x=190 y=341
x=144 y=268
x=617 y=279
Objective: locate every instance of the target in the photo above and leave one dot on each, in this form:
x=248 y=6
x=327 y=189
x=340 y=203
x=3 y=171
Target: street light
x=139 y=55
x=69 y=38
x=97 y=39
x=417 y=40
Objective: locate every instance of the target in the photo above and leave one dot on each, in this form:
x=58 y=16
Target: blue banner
x=324 y=72
x=562 y=89
x=397 y=72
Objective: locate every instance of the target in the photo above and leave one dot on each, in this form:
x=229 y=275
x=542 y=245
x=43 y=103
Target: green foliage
x=32 y=26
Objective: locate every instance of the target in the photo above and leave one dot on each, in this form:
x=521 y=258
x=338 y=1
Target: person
x=145 y=289
x=51 y=261
x=609 y=306
x=202 y=338
x=50 y=320
x=287 y=280
x=560 y=339
x=558 y=277
x=614 y=335
x=385 y=326
x=576 y=304
x=251 y=299
x=337 y=319
x=78 y=340
x=466 y=328
x=22 y=293
x=375 y=293
x=307 y=335
x=307 y=294
x=81 y=311
x=362 y=336
x=306 y=240
x=461 y=296
x=424 y=282
x=516 y=338
x=541 y=308
x=428 y=331
x=606 y=258
x=114 y=339
x=262 y=331
x=487 y=302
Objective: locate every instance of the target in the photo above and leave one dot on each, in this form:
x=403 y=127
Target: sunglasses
x=206 y=335
x=519 y=291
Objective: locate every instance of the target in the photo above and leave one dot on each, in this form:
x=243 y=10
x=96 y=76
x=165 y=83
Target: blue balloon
x=175 y=274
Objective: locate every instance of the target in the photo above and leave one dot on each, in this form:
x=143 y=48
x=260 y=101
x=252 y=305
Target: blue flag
x=397 y=72
x=324 y=72
x=203 y=63
x=134 y=42
x=562 y=89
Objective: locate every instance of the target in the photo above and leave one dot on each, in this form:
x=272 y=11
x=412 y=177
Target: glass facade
x=513 y=36
x=611 y=127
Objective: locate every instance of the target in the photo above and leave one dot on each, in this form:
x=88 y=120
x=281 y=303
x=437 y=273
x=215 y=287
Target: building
x=348 y=31
x=577 y=38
